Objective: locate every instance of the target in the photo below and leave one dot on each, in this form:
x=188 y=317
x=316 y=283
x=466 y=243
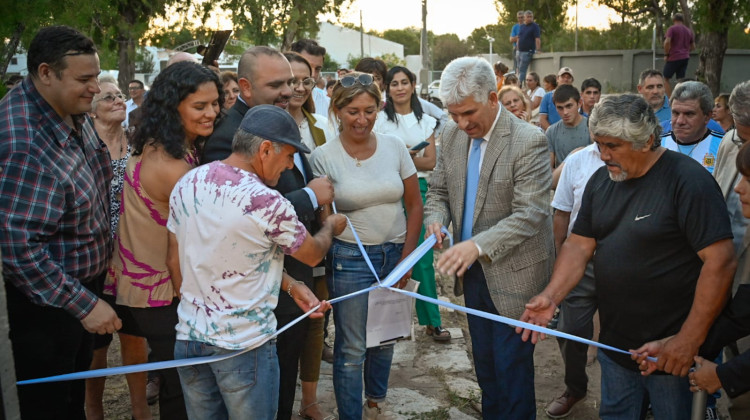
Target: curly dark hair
x=390 y=109
x=161 y=123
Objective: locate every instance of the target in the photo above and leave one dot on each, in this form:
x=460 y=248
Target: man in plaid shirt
x=54 y=220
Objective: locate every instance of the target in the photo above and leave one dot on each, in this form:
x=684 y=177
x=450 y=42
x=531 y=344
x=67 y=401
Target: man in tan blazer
x=506 y=250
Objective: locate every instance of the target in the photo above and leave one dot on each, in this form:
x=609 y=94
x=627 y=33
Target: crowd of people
x=202 y=215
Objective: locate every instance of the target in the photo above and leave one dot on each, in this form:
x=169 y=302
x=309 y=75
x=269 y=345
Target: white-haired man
x=497 y=196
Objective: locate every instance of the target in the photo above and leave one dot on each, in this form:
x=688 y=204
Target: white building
x=341 y=43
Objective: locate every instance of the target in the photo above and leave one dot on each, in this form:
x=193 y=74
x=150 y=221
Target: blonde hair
x=519 y=92
x=343 y=96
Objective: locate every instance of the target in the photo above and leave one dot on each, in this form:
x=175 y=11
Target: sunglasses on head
x=363 y=79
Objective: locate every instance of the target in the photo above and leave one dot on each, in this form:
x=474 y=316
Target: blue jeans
x=245 y=386
x=347 y=273
x=524 y=59
x=503 y=363
x=625 y=393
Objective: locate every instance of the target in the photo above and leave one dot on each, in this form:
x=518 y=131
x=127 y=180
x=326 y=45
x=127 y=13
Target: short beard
x=622 y=176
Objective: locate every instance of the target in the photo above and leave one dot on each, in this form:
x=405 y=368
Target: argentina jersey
x=703 y=151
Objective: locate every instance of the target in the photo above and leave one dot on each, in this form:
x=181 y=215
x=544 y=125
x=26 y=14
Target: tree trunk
x=713 y=45
x=126 y=46
x=10 y=49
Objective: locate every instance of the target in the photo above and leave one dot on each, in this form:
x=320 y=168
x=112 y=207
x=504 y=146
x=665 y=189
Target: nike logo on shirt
x=637 y=218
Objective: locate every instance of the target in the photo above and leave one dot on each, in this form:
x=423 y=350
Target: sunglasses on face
x=308 y=83
x=111 y=98
x=363 y=79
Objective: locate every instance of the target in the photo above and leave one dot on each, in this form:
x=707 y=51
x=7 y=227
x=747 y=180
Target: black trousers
x=47 y=341
x=288 y=348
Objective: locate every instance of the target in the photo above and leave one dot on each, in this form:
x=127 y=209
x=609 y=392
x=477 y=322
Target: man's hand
x=650 y=349
x=435 y=228
x=323 y=189
x=677 y=355
x=539 y=311
x=306 y=300
x=102 y=319
x=458 y=258
x=337 y=223
x=704 y=377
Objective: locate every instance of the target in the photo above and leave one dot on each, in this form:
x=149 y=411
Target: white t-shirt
x=369 y=194
x=322 y=101
x=408 y=130
x=538 y=92
x=233 y=232
x=575 y=175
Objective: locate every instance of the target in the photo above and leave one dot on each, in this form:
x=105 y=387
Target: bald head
x=181 y=56
x=247 y=65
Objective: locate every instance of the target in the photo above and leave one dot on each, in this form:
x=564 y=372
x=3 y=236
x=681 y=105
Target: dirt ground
x=548 y=378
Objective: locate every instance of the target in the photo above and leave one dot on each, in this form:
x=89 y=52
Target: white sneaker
x=379 y=412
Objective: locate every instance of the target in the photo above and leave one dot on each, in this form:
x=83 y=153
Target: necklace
x=357 y=162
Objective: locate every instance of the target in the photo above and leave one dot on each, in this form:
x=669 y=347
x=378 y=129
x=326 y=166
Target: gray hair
x=467 y=76
x=626 y=117
x=690 y=90
x=102 y=79
x=739 y=103
x=248 y=144
x=520 y=13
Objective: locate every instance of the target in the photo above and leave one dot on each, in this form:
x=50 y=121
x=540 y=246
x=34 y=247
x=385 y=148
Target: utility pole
x=361 y=36
x=424 y=72
x=491 y=40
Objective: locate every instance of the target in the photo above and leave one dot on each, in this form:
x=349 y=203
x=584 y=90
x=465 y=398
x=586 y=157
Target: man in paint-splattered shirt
x=229 y=232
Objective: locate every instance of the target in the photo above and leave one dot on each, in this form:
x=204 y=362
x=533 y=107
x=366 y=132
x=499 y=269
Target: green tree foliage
x=330 y=64
x=478 y=43
x=447 y=47
x=274 y=22
x=548 y=14
x=408 y=37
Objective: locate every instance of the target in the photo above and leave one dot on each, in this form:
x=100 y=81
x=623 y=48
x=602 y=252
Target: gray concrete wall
x=618 y=70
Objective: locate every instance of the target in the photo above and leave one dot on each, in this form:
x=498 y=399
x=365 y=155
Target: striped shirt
x=54 y=221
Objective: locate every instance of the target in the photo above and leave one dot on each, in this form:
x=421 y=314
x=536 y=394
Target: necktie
x=472 y=181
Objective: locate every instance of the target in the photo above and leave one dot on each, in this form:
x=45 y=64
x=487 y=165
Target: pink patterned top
x=138 y=274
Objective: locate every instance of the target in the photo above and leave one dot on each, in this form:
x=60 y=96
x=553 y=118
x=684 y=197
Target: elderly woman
x=375 y=181
x=404 y=118
x=108 y=112
x=516 y=102
x=231 y=88
x=180 y=109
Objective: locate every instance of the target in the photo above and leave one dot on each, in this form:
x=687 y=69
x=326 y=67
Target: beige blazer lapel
x=498 y=140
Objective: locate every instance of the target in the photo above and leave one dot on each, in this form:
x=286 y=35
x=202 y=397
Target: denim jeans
x=243 y=387
x=625 y=392
x=524 y=59
x=347 y=273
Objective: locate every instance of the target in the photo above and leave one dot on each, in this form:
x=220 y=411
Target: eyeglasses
x=363 y=79
x=308 y=83
x=131 y=88
x=739 y=141
x=111 y=98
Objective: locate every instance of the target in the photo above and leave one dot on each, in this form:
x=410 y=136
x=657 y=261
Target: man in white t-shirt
x=229 y=232
x=578 y=308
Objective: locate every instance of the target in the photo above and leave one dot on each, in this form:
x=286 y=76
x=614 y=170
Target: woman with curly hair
x=180 y=110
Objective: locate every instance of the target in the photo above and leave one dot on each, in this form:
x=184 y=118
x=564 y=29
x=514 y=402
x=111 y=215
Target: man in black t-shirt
x=663 y=264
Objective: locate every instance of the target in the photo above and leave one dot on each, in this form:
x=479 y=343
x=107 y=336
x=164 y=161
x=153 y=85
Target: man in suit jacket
x=264 y=78
x=506 y=250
